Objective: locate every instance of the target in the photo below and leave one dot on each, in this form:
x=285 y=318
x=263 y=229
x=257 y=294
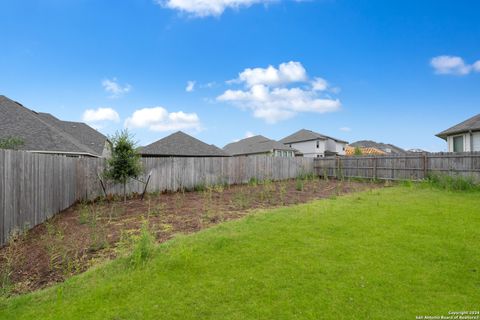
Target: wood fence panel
x=34 y=187
x=401 y=167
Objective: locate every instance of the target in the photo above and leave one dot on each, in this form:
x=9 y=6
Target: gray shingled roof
x=307 y=135
x=378 y=145
x=254 y=145
x=472 y=124
x=80 y=131
x=180 y=144
x=38 y=135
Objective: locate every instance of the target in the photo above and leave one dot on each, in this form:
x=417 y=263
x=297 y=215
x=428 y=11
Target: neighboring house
x=313 y=144
x=463 y=137
x=43 y=133
x=180 y=144
x=259 y=145
x=385 y=147
x=350 y=151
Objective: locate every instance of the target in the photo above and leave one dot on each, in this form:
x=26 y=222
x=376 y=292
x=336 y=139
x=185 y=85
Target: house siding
x=467 y=143
x=310 y=150
x=476 y=141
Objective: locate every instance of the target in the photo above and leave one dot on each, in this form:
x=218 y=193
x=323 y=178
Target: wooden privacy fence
x=34 y=187
x=401 y=167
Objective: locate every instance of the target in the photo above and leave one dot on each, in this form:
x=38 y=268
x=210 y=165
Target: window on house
x=458 y=144
x=318 y=144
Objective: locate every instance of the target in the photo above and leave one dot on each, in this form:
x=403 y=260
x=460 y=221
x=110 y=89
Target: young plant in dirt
x=54 y=245
x=282 y=192
x=98 y=237
x=137 y=247
x=179 y=201
x=299 y=184
x=267 y=190
x=8 y=258
x=241 y=200
x=124 y=163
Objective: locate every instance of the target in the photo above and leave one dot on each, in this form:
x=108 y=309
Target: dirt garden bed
x=85 y=234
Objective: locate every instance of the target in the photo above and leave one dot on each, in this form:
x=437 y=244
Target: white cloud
x=114 y=88
x=159 y=119
x=319 y=84
x=190 y=86
x=288 y=72
x=476 y=66
x=271 y=96
x=345 y=129
x=204 y=8
x=100 y=114
x=450 y=65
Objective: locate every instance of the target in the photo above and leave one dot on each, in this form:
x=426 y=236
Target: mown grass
x=393 y=253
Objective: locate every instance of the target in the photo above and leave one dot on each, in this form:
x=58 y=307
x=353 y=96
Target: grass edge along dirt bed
x=391 y=253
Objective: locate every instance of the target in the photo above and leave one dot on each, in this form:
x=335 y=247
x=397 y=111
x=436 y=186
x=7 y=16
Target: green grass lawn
x=392 y=253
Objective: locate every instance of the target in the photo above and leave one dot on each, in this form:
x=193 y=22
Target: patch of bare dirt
x=82 y=235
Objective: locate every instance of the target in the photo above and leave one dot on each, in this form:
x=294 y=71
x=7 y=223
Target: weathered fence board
x=34 y=187
x=401 y=167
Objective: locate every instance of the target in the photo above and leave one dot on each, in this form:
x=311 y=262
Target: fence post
x=375 y=168
x=338 y=167
x=425 y=166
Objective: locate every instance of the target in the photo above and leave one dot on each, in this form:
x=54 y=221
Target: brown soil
x=85 y=234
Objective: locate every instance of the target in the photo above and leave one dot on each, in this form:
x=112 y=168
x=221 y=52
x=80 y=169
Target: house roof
x=38 y=134
x=472 y=124
x=82 y=132
x=307 y=135
x=378 y=145
x=181 y=144
x=254 y=145
x=350 y=151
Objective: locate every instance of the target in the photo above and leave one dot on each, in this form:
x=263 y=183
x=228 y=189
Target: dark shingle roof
x=37 y=134
x=254 y=145
x=306 y=135
x=82 y=132
x=181 y=145
x=378 y=145
x=470 y=124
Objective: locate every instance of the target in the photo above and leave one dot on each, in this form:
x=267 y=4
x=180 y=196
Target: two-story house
x=313 y=144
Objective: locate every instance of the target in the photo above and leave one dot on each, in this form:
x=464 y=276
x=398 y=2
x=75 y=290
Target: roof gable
x=81 y=131
x=182 y=144
x=471 y=124
x=307 y=135
x=253 y=145
x=38 y=134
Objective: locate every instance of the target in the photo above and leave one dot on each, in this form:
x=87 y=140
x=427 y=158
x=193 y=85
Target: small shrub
x=282 y=192
x=241 y=200
x=8 y=258
x=200 y=187
x=143 y=246
x=452 y=183
x=54 y=244
x=253 y=181
x=267 y=190
x=218 y=188
x=299 y=185
x=84 y=214
x=325 y=175
x=98 y=236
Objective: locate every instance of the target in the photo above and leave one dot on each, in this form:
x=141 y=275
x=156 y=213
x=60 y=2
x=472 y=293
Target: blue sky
x=390 y=71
